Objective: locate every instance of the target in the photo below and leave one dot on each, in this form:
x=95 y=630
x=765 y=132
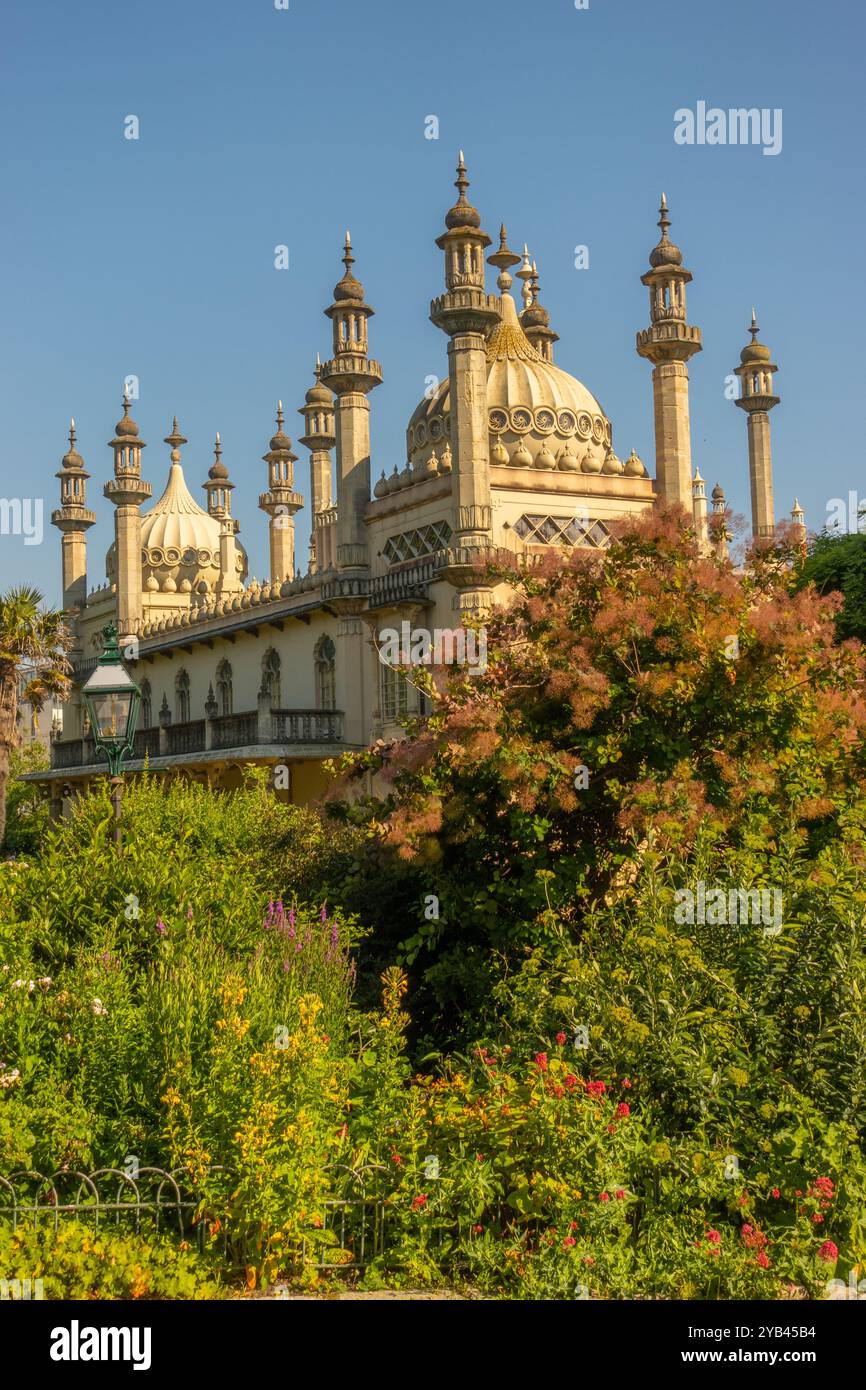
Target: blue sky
x=261 y=127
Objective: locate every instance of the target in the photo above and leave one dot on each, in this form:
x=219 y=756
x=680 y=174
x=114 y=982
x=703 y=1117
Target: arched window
x=224 y=688
x=326 y=679
x=271 y=677
x=181 y=697
x=146 y=705
x=393 y=693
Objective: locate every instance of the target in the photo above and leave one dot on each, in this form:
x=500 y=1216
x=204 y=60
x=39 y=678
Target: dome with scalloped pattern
x=528 y=399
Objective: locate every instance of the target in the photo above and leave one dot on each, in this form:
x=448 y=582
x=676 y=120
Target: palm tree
x=41 y=640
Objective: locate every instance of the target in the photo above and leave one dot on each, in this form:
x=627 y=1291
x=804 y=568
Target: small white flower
x=16 y=984
x=8 y=1078
x=98 y=1007
x=44 y=981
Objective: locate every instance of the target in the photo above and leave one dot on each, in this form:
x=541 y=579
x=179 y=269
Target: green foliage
x=26 y=806
x=78 y=1262
x=836 y=564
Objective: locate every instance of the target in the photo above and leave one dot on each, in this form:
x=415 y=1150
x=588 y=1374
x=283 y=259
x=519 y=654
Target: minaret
x=73 y=520
x=219 y=504
x=699 y=511
x=535 y=318
x=720 y=537
x=798 y=522
x=281 y=503
x=466 y=312
x=127 y=491
x=668 y=343
x=319 y=438
x=757 y=399
x=351 y=374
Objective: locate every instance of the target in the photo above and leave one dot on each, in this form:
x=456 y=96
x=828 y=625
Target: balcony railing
x=245 y=730
x=146 y=743
x=307 y=725
x=235 y=730
x=186 y=738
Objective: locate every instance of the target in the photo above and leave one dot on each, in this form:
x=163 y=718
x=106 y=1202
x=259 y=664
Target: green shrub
x=78 y=1262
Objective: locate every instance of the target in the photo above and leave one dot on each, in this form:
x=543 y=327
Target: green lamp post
x=112 y=699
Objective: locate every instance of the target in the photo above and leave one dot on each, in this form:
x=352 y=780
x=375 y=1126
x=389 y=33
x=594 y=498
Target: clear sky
x=261 y=127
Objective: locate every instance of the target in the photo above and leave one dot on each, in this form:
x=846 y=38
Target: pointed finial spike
x=460 y=159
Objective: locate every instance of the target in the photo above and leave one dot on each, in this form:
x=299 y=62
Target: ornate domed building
x=508 y=451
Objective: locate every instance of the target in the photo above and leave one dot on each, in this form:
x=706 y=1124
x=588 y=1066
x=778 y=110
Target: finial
x=125 y=399
x=318 y=366
x=175 y=439
x=664 y=221
x=753 y=327
x=525 y=274
x=217 y=448
x=461 y=183
x=503 y=258
x=72 y=433
x=279 y=415
x=348 y=258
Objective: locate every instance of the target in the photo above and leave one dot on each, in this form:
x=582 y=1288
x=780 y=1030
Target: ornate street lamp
x=112 y=699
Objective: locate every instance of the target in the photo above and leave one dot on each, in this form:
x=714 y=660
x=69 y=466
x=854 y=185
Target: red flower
x=604 y=1196
x=572 y=1225
x=595 y=1088
x=763 y=1260
x=817 y=1218
x=476 y=1230
x=571 y=1081
x=479 y=1158
x=627 y=1084
x=747 y=1230
x=714 y=1236
x=619 y=1194
x=419 y=1201
x=828 y=1252
x=611 y=1129
x=623 y=1108
x=395 y=1158
x=775 y=1192
x=569 y=1240
x=560 y=1038
x=541 y=1061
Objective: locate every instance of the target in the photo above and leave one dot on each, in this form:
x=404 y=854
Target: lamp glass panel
x=111 y=711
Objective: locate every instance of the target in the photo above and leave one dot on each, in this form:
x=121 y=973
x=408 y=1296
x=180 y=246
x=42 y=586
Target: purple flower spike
x=161 y=927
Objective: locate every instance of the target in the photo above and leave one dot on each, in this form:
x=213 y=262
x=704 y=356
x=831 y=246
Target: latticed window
x=271 y=666
x=411 y=545
x=326 y=674
x=146 y=705
x=394 y=693
x=181 y=697
x=225 y=695
x=568 y=531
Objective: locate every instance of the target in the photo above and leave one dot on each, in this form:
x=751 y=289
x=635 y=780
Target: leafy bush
x=78 y=1262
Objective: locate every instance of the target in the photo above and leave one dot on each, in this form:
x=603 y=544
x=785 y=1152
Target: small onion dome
x=665 y=253
x=381 y=488
x=72 y=458
x=544 y=458
x=445 y=464
x=349 y=289
x=217 y=470
x=718 y=493
x=393 y=482
x=463 y=214
x=634 y=467
x=521 y=458
x=613 y=464
x=406 y=476
x=319 y=394
x=499 y=453
x=126 y=428
x=280 y=442
x=590 y=463
x=754 y=351
x=568 y=459
x=429 y=468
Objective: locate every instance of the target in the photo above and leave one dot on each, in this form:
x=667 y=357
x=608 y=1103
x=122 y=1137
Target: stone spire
x=668 y=343
x=466 y=313
x=798 y=521
x=280 y=502
x=536 y=319
x=699 y=511
x=319 y=438
x=219 y=488
x=73 y=520
x=757 y=400
x=351 y=374
x=720 y=507
x=126 y=491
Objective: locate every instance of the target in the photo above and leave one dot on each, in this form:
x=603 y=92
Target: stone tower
x=668 y=343
x=351 y=374
x=319 y=438
x=219 y=490
x=127 y=491
x=466 y=312
x=73 y=520
x=757 y=400
x=281 y=502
